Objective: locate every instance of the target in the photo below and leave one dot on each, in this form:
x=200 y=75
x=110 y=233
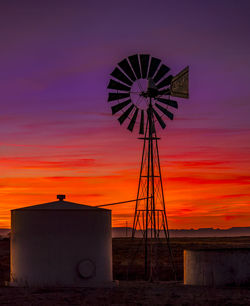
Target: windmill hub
x=138 y=94
x=150 y=93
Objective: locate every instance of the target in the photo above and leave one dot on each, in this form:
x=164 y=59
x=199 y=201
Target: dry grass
x=128 y=255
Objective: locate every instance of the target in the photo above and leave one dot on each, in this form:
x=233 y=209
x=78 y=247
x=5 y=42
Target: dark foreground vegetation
x=128 y=255
x=128 y=267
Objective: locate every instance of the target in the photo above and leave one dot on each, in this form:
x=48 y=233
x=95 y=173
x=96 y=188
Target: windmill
x=140 y=88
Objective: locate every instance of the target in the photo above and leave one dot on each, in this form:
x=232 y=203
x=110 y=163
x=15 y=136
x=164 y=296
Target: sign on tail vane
x=179 y=84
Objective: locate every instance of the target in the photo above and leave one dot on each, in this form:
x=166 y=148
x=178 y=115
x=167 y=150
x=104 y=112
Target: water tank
x=61 y=244
x=221 y=267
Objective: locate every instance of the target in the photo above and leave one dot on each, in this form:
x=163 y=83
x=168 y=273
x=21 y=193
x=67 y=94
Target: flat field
x=128 y=267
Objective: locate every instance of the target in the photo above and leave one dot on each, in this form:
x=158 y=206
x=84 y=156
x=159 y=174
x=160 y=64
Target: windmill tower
x=141 y=85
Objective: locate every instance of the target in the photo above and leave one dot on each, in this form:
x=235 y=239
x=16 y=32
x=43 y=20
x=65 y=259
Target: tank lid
x=61 y=197
x=60 y=205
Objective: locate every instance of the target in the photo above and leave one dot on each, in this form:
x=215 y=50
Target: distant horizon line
x=176 y=229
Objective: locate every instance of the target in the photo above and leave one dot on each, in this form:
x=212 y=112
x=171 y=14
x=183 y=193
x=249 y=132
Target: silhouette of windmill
x=141 y=87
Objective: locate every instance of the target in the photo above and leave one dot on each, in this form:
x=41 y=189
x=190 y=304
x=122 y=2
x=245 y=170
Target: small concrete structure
x=219 y=267
x=61 y=244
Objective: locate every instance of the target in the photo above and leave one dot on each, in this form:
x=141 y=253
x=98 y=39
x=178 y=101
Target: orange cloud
x=33 y=163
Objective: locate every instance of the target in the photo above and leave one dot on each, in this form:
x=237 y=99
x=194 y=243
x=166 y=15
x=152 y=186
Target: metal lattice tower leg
x=150 y=214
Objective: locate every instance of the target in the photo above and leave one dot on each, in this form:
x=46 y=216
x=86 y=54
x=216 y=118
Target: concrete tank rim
x=218 y=250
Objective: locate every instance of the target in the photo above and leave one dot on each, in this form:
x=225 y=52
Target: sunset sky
x=57 y=133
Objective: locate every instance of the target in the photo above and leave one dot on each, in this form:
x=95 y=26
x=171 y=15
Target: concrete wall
x=217 y=267
x=61 y=248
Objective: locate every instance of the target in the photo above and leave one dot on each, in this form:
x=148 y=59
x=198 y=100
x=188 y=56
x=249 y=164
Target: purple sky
x=55 y=60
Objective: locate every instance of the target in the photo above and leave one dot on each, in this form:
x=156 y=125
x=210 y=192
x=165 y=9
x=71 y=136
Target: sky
x=57 y=133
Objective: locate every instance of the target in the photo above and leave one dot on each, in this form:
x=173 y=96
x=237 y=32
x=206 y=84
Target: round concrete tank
x=219 y=267
x=61 y=244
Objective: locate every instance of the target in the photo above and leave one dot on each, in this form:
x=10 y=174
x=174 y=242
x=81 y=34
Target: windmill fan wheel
x=137 y=82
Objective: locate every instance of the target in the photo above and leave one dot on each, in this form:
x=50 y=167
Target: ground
x=131 y=289
x=128 y=293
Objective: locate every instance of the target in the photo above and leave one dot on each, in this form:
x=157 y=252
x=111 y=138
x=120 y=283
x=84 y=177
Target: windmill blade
x=117 y=96
x=142 y=123
x=135 y=65
x=155 y=62
x=163 y=70
x=168 y=102
x=165 y=82
x=165 y=111
x=158 y=117
x=133 y=120
x=121 y=76
x=127 y=69
x=144 y=60
x=125 y=115
x=116 y=108
x=117 y=86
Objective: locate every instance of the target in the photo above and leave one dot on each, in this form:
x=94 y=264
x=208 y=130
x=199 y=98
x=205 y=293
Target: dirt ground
x=128 y=293
x=132 y=290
